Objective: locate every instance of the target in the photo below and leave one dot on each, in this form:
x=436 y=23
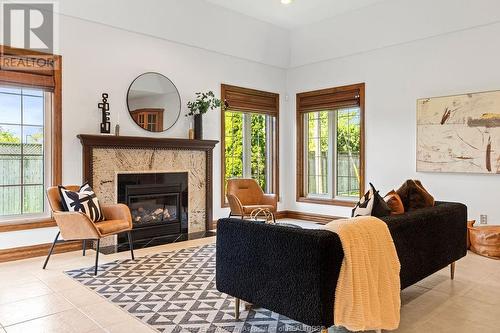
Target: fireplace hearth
x=158 y=203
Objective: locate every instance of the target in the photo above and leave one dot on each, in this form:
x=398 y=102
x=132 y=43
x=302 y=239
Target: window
x=22 y=150
x=30 y=133
x=247 y=150
x=249 y=125
x=149 y=119
x=330 y=145
x=151 y=122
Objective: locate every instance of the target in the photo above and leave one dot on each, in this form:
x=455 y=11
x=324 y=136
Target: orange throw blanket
x=367 y=296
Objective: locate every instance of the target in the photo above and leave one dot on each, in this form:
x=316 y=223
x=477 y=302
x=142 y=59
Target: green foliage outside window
x=348 y=136
x=7 y=136
x=234 y=146
x=258 y=140
x=348 y=131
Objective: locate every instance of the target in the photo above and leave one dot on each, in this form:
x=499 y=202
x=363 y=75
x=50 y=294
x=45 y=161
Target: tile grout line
x=27 y=298
x=104 y=300
x=72 y=304
x=78 y=308
x=44 y=316
x=53 y=292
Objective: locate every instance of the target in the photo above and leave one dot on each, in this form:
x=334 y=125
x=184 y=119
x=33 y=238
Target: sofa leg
x=452 y=270
x=237 y=308
x=84 y=246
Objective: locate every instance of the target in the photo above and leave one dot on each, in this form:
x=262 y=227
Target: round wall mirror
x=154 y=102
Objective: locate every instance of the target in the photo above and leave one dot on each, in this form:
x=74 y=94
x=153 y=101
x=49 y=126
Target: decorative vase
x=198 y=126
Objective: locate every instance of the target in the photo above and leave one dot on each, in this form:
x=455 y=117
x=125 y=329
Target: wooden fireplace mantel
x=90 y=142
x=114 y=141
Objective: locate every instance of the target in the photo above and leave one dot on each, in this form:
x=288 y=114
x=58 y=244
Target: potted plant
x=203 y=103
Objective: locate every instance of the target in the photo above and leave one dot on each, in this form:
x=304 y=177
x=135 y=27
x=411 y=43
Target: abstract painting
x=459 y=133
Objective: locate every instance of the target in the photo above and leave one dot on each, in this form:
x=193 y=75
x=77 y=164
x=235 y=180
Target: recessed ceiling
x=296 y=14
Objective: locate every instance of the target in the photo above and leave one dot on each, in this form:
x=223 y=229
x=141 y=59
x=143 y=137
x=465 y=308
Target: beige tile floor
x=35 y=300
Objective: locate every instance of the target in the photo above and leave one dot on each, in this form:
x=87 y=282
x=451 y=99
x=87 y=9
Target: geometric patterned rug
x=175 y=292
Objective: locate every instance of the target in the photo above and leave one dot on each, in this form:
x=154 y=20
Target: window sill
x=27 y=224
x=332 y=202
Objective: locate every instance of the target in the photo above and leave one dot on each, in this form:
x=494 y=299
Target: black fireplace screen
x=156 y=200
x=155 y=208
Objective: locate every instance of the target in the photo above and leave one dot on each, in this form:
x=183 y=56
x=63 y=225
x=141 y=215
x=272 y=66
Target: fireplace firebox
x=158 y=203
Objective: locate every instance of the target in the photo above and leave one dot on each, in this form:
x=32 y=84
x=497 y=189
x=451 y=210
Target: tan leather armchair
x=78 y=226
x=245 y=195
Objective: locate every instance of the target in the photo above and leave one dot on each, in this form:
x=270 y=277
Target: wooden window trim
x=254 y=101
x=331 y=99
x=50 y=80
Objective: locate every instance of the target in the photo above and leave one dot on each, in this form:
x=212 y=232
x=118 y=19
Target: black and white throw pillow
x=84 y=201
x=372 y=204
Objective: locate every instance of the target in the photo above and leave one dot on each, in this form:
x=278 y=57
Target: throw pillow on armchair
x=84 y=200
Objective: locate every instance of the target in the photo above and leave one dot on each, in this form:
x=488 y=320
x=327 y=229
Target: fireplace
x=158 y=203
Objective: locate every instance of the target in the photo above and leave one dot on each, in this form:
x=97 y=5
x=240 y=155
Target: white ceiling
x=296 y=14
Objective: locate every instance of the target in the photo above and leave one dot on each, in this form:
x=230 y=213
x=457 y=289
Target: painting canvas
x=459 y=133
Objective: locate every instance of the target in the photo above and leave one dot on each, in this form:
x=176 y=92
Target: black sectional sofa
x=294 y=271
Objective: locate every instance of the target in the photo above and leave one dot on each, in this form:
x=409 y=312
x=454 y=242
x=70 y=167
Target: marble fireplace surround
x=104 y=157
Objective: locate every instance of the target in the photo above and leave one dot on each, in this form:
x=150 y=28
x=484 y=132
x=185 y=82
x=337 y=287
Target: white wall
x=98 y=58
x=190 y=22
x=395 y=77
x=387 y=23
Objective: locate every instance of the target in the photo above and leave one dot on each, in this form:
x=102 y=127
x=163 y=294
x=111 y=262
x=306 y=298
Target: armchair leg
x=452 y=270
x=84 y=246
x=96 y=255
x=131 y=244
x=237 y=308
x=51 y=250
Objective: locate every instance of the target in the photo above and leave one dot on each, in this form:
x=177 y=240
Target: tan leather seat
x=78 y=226
x=110 y=227
x=245 y=195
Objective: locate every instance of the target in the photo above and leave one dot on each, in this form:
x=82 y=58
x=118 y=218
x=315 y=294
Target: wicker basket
x=484 y=241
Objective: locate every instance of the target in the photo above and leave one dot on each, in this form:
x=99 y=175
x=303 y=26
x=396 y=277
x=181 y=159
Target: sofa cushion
x=394 y=202
x=414 y=195
x=371 y=204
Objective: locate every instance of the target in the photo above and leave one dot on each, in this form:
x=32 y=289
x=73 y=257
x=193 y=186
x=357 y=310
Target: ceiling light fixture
x=286 y=2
